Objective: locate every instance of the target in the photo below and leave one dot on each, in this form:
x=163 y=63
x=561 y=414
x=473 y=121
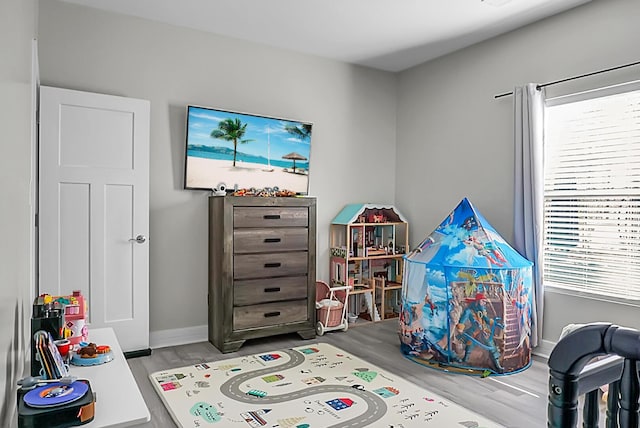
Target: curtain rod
x=555 y=82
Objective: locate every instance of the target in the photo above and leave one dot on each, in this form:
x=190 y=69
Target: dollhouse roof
x=351 y=212
x=465 y=238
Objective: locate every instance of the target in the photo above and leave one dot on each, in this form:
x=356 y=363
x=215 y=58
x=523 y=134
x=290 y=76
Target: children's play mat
x=311 y=386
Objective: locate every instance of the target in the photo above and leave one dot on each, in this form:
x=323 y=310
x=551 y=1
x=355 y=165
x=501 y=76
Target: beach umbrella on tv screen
x=294 y=157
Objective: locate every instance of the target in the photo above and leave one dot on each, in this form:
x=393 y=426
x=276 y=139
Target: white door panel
x=74 y=243
x=94 y=198
x=118 y=253
x=110 y=133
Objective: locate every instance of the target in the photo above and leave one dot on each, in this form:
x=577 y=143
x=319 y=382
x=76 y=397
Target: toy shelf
x=368 y=243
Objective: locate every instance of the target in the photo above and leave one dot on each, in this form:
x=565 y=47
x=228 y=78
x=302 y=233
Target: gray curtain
x=528 y=111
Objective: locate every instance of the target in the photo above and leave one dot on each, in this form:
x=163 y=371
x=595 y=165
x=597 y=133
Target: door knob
x=140 y=239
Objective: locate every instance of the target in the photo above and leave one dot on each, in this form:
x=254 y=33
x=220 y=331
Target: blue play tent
x=466 y=299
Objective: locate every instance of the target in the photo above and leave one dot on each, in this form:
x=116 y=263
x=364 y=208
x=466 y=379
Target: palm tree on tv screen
x=303 y=132
x=231 y=130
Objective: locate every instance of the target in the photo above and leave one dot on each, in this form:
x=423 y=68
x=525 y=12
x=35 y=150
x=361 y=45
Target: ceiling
x=390 y=35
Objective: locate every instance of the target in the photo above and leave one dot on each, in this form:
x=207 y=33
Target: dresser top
x=259 y=201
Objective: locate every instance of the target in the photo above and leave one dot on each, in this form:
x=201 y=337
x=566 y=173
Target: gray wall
x=17 y=30
x=353 y=110
x=455 y=139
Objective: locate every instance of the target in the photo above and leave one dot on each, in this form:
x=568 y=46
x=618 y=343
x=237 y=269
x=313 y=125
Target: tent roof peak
x=466 y=239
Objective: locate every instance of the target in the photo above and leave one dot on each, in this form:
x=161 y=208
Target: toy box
x=74 y=309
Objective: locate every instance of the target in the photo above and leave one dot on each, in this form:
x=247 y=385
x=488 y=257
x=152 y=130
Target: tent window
x=592 y=192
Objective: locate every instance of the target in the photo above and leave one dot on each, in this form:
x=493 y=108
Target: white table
x=119 y=402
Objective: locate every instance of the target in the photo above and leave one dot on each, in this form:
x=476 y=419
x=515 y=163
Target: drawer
x=270 y=217
x=247 y=266
x=254 y=291
x=268 y=314
x=269 y=240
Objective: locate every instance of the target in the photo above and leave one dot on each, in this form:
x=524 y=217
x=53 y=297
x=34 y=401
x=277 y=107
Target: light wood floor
x=515 y=401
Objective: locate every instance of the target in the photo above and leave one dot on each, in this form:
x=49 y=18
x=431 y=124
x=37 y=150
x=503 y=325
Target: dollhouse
x=368 y=242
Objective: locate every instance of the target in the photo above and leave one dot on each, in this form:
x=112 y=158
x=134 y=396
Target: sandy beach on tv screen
x=207 y=173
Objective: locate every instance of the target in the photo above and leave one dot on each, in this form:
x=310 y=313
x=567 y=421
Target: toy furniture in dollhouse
x=368 y=242
x=387 y=297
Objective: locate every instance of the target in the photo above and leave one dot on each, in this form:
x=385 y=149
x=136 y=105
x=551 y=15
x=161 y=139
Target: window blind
x=592 y=194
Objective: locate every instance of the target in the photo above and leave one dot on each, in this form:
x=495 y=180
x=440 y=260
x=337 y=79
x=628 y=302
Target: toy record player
x=56 y=404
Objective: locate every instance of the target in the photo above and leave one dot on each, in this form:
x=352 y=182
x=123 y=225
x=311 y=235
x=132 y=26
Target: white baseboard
x=178 y=336
x=544 y=348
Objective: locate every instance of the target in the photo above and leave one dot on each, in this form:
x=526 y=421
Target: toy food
x=89 y=351
x=103 y=349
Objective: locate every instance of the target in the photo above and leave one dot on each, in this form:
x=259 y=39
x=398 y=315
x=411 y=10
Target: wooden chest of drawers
x=262 y=254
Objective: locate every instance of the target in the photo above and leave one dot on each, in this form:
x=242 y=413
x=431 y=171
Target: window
x=591 y=237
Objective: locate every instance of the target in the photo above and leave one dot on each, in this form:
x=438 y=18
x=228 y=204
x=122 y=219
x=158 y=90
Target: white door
x=93 y=204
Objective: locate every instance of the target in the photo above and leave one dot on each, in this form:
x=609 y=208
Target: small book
x=53 y=367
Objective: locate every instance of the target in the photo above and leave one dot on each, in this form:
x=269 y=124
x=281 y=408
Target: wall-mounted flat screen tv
x=246 y=150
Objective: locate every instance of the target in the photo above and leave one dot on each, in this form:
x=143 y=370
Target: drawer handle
x=272 y=265
x=272 y=290
x=271 y=216
x=269 y=240
x=272 y=314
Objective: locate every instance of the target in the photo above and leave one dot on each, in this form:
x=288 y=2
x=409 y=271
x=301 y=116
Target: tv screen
x=246 y=150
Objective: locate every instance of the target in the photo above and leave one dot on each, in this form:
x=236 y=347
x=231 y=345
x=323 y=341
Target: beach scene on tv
x=246 y=150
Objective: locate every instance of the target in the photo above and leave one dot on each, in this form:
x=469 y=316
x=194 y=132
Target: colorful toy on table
x=63 y=402
x=74 y=312
x=92 y=350
x=90 y=354
x=64 y=346
x=75 y=315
